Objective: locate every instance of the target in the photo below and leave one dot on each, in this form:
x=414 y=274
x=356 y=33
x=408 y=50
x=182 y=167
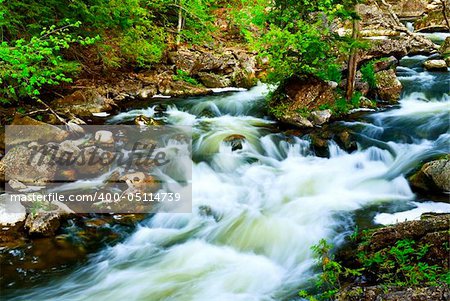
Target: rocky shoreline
x=428 y=236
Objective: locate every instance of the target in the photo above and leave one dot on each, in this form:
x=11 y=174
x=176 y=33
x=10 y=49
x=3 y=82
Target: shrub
x=28 y=65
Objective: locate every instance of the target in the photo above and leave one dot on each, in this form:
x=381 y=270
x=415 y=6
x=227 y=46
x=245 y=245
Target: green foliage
x=35 y=40
x=297 y=36
x=28 y=65
x=300 y=48
x=328 y=281
x=402 y=265
x=368 y=74
x=331 y=73
x=184 y=76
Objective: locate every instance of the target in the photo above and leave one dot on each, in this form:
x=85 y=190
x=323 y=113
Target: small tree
x=28 y=65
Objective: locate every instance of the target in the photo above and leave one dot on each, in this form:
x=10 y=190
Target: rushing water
x=258 y=210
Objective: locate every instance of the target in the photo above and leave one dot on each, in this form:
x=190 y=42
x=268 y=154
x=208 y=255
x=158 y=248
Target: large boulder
x=433 y=20
x=43 y=223
x=231 y=67
x=28 y=166
x=433 y=177
x=211 y=80
x=398 y=48
x=388 y=87
x=445 y=47
x=435 y=65
x=236 y=141
x=298 y=97
x=33 y=130
x=375 y=21
x=411 y=9
x=181 y=88
x=83 y=103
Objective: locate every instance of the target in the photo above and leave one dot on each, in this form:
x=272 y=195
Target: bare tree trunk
x=180 y=23
x=444 y=12
x=352 y=62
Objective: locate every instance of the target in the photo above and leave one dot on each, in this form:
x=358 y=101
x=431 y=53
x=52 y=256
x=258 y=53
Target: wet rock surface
x=382 y=293
x=435 y=65
x=431 y=231
x=23 y=164
x=433 y=19
x=301 y=96
x=388 y=87
x=83 y=103
x=433 y=177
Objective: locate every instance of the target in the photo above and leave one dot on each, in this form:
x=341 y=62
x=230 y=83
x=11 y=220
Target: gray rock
x=16 y=185
x=28 y=166
x=43 y=223
x=235 y=141
x=26 y=129
x=211 y=80
x=104 y=137
x=433 y=177
x=388 y=86
x=296 y=120
x=435 y=65
x=320 y=117
x=83 y=103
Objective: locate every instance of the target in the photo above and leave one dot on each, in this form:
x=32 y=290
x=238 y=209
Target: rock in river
x=433 y=177
x=435 y=65
x=388 y=86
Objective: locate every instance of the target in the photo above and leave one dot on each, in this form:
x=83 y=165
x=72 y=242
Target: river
x=258 y=210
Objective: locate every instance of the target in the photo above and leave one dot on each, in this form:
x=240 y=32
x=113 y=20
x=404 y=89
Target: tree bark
x=444 y=12
x=352 y=62
x=180 y=23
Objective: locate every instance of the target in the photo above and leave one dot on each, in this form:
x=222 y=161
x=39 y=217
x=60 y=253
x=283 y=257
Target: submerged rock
x=388 y=86
x=235 y=141
x=435 y=65
x=433 y=177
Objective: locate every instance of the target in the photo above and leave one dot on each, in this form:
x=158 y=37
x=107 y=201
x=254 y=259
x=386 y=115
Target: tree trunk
x=180 y=23
x=352 y=62
x=444 y=12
